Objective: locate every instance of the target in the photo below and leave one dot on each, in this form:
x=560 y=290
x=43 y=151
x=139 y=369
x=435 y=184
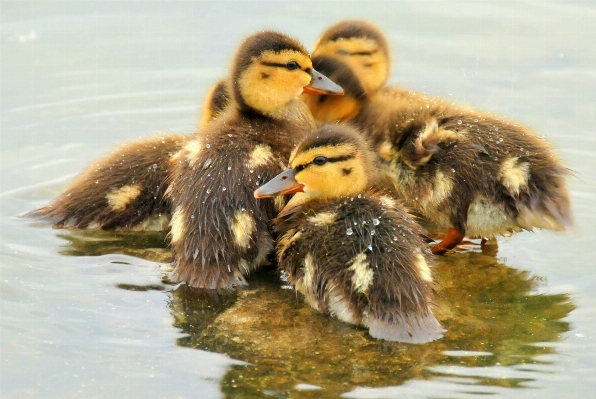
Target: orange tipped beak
x=282 y=184
x=321 y=84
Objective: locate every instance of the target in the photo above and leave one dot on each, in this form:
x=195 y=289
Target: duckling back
x=219 y=233
x=363 y=260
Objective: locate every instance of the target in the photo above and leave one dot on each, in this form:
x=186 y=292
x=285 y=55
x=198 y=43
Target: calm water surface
x=91 y=314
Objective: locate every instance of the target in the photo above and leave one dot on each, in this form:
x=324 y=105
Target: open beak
x=282 y=184
x=321 y=84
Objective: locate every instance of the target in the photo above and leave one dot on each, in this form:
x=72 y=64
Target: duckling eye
x=292 y=65
x=320 y=160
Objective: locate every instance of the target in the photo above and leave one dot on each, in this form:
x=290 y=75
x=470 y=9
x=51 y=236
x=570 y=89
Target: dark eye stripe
x=358 y=52
x=340 y=159
x=336 y=159
x=280 y=65
x=273 y=64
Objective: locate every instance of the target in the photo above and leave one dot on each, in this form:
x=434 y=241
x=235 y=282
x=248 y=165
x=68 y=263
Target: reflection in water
x=492 y=319
x=150 y=245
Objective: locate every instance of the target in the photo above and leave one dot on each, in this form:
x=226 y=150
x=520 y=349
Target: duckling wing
x=123 y=191
x=220 y=232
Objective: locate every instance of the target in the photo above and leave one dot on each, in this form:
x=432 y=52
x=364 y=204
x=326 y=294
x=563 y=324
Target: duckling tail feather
x=409 y=328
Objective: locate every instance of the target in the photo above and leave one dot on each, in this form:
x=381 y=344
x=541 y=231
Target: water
x=92 y=314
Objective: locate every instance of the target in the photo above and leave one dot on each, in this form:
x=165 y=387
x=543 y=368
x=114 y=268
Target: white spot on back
x=388 y=201
x=514 y=175
x=192 y=149
x=243 y=227
x=363 y=275
x=322 y=218
x=261 y=155
x=119 y=198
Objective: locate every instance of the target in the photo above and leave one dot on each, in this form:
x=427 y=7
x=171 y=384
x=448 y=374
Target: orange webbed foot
x=450 y=241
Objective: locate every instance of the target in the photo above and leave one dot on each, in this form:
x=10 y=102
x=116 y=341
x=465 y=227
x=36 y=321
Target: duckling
x=123 y=191
x=219 y=233
x=466 y=171
x=217 y=99
x=351 y=249
x=362 y=46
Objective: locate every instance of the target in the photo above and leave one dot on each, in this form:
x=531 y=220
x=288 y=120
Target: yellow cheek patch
x=514 y=175
x=119 y=198
x=332 y=179
x=268 y=88
x=243 y=227
x=261 y=155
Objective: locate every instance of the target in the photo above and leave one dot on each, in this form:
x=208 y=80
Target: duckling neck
x=297 y=200
x=295 y=110
x=302 y=198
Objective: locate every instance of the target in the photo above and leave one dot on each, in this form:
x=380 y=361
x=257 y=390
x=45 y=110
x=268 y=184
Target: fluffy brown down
x=143 y=165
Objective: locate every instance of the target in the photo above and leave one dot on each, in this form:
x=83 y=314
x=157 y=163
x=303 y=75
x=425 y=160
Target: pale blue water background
x=79 y=77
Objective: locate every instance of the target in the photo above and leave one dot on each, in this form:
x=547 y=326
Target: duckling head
x=362 y=46
x=334 y=109
x=333 y=162
x=270 y=70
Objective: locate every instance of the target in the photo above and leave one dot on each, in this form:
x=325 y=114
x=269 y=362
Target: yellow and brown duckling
x=219 y=232
x=123 y=191
x=216 y=101
x=351 y=249
x=364 y=48
x=466 y=171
